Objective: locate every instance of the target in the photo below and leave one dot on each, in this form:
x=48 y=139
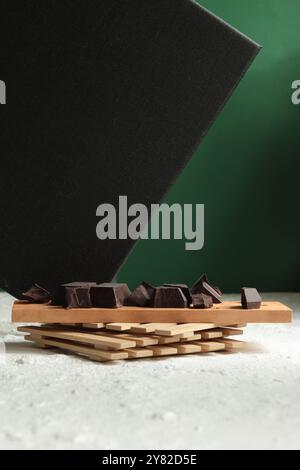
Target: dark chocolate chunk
x=142 y=295
x=78 y=297
x=185 y=290
x=37 y=294
x=250 y=298
x=171 y=297
x=203 y=286
x=109 y=295
x=202 y=301
x=74 y=295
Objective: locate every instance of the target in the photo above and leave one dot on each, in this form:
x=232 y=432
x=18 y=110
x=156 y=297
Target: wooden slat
x=138 y=353
x=182 y=329
x=174 y=339
x=189 y=348
x=230 y=331
x=141 y=341
x=149 y=327
x=232 y=344
x=195 y=337
x=211 y=334
x=163 y=350
x=210 y=346
x=121 y=326
x=37 y=341
x=85 y=350
x=89 y=338
x=226 y=313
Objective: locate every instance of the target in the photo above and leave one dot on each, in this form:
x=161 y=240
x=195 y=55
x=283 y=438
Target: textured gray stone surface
x=246 y=400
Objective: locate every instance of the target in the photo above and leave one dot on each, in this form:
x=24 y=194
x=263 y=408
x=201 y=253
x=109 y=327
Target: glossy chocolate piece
x=37 y=294
x=202 y=301
x=203 y=286
x=185 y=290
x=109 y=295
x=250 y=298
x=141 y=296
x=169 y=297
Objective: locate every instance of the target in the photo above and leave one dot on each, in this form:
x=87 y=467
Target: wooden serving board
x=226 y=313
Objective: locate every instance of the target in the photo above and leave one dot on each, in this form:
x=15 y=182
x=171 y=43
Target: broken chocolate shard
x=169 y=297
x=207 y=289
x=185 y=290
x=196 y=287
x=203 y=286
x=202 y=301
x=109 y=295
x=142 y=296
x=37 y=294
x=250 y=298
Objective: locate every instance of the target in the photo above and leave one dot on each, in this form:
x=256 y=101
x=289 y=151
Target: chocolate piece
x=37 y=294
x=74 y=295
x=109 y=295
x=78 y=297
x=202 y=301
x=203 y=286
x=250 y=298
x=142 y=295
x=185 y=290
x=171 y=297
x=207 y=289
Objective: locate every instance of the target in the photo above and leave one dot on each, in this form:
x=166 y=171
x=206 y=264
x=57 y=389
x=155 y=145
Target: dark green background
x=246 y=171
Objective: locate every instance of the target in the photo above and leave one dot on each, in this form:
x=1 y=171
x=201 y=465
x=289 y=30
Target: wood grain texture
x=210 y=346
x=228 y=331
x=184 y=330
x=226 y=313
x=85 y=350
x=232 y=344
x=89 y=338
x=205 y=335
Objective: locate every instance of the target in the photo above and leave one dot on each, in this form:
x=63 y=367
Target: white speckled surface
x=245 y=400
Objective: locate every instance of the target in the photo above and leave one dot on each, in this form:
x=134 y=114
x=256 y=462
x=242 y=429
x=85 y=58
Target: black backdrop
x=104 y=98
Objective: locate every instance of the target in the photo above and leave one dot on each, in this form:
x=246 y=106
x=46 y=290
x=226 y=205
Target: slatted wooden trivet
x=117 y=341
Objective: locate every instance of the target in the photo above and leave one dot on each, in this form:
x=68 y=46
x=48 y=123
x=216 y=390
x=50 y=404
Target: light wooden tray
x=226 y=313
